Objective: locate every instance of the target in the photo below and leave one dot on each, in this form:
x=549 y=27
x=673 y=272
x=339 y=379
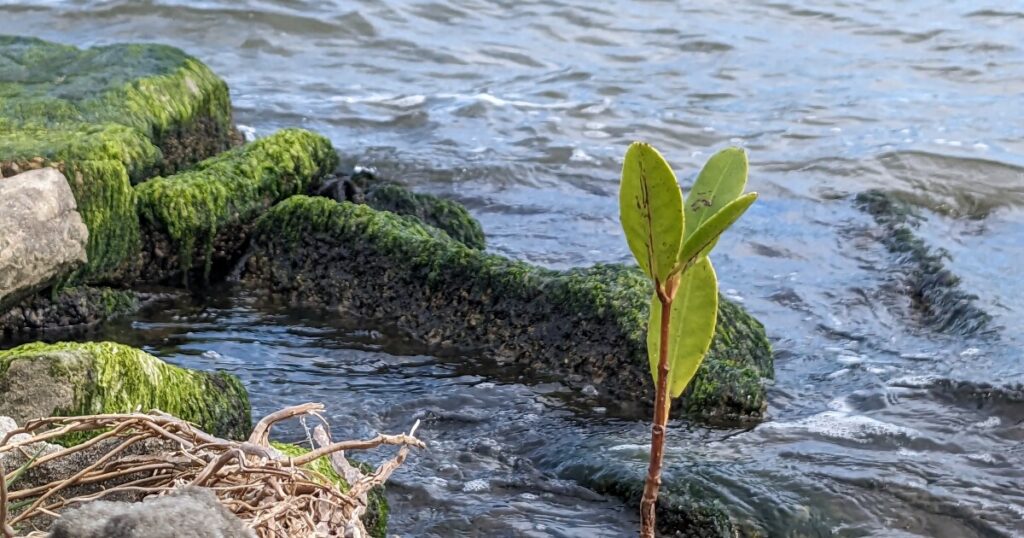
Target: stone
x=108 y=117
x=187 y=512
x=42 y=236
x=69 y=379
x=196 y=219
x=583 y=326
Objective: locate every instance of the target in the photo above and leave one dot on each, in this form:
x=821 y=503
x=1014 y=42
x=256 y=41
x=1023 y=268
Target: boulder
x=187 y=512
x=69 y=379
x=196 y=219
x=108 y=117
x=42 y=236
x=582 y=327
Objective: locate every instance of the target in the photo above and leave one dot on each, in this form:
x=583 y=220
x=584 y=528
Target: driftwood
x=273 y=494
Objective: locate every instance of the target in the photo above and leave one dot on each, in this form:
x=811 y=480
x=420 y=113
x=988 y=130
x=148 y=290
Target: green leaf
x=701 y=241
x=691 y=325
x=721 y=181
x=651 y=210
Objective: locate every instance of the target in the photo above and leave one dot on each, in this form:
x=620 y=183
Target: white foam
x=580 y=156
x=841 y=425
x=474 y=486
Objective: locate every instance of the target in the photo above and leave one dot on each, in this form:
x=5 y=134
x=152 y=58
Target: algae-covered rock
x=584 y=326
x=70 y=308
x=67 y=379
x=934 y=291
x=376 y=518
x=364 y=187
x=42 y=236
x=196 y=218
x=106 y=117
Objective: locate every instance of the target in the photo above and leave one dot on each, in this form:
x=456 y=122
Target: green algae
x=229 y=191
x=112 y=378
x=376 y=518
x=444 y=214
x=585 y=326
x=106 y=117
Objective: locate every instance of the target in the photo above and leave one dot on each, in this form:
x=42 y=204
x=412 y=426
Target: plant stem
x=661 y=408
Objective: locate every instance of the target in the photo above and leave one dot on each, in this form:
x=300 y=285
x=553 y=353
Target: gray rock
x=42 y=236
x=185 y=513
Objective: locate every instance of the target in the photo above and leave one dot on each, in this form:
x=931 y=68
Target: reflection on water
x=878 y=424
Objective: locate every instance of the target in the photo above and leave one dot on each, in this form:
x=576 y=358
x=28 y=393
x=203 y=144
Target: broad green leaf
x=721 y=181
x=691 y=325
x=651 y=210
x=701 y=241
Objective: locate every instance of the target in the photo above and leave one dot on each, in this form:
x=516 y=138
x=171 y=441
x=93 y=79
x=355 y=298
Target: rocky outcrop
x=200 y=218
x=42 y=236
x=583 y=327
x=68 y=379
x=107 y=117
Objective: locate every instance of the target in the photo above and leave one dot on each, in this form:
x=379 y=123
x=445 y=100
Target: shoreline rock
x=196 y=219
x=585 y=326
x=43 y=237
x=66 y=379
x=70 y=309
x=107 y=117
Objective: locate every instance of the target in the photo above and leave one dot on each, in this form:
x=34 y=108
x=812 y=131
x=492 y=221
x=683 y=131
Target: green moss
x=376 y=518
x=114 y=378
x=584 y=326
x=229 y=191
x=107 y=116
x=445 y=214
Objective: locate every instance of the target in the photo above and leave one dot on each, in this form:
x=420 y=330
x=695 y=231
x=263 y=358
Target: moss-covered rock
x=376 y=518
x=447 y=215
x=107 y=117
x=364 y=187
x=935 y=291
x=584 y=326
x=196 y=218
x=68 y=379
x=69 y=308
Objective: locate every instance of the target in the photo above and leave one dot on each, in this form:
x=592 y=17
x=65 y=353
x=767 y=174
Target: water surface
x=522 y=110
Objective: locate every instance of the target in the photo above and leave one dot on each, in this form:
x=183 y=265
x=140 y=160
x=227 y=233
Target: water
x=522 y=110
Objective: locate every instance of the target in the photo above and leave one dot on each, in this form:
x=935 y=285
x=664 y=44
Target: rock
x=376 y=518
x=71 y=308
x=107 y=117
x=583 y=326
x=42 y=236
x=187 y=512
x=935 y=292
x=66 y=379
x=195 y=219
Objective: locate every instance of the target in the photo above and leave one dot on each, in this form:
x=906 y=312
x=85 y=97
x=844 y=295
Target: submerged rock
x=197 y=218
x=107 y=117
x=70 y=308
x=42 y=236
x=934 y=290
x=187 y=512
x=584 y=326
x=67 y=379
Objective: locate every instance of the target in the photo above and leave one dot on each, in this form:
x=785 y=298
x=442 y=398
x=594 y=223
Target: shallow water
x=521 y=110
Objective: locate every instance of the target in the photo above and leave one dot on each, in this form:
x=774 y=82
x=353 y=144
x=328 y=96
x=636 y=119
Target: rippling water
x=878 y=424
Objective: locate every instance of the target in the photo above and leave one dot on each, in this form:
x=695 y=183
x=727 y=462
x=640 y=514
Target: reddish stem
x=661 y=409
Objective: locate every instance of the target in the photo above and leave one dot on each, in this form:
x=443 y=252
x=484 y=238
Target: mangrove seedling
x=670 y=239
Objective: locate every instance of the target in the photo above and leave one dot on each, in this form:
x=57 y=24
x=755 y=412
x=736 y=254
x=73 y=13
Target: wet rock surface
x=583 y=326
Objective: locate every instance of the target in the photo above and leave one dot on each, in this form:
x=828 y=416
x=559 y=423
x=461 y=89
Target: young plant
x=670 y=240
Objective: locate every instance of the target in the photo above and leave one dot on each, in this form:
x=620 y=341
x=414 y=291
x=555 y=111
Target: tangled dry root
x=274 y=495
